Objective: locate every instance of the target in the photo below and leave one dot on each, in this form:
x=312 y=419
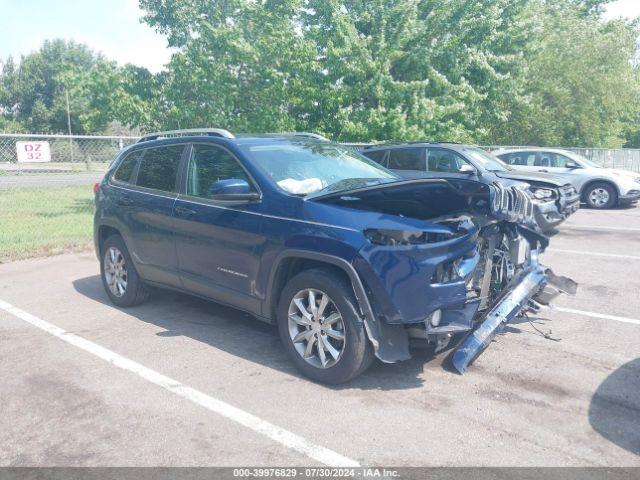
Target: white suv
x=599 y=187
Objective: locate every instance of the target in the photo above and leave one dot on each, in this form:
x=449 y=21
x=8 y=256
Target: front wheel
x=601 y=195
x=320 y=327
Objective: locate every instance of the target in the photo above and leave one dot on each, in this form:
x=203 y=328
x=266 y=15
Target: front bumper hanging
x=536 y=284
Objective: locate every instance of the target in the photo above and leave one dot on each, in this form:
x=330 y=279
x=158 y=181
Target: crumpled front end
x=533 y=283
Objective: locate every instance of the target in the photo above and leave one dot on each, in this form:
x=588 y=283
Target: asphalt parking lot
x=182 y=382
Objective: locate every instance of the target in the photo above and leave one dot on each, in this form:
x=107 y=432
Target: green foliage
x=487 y=71
x=33 y=94
x=581 y=87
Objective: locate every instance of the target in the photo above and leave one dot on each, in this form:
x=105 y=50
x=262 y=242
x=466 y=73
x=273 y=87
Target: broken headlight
x=543 y=193
x=379 y=236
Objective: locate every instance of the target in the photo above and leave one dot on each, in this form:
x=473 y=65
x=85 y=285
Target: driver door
x=217 y=241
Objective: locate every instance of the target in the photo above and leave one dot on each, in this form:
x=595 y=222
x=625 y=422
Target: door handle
x=544 y=171
x=124 y=201
x=184 y=212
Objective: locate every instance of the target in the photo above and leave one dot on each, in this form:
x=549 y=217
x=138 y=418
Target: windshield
x=301 y=168
x=486 y=160
x=582 y=160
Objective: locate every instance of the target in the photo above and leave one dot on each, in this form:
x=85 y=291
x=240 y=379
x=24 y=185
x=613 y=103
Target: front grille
x=512 y=203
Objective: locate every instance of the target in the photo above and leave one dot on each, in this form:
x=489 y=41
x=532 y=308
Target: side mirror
x=572 y=165
x=467 y=169
x=232 y=189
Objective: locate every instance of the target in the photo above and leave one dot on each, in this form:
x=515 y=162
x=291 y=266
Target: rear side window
x=407 y=159
x=377 y=156
x=210 y=164
x=159 y=168
x=126 y=168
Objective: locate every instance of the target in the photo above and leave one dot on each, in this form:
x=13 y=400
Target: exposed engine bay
x=472 y=294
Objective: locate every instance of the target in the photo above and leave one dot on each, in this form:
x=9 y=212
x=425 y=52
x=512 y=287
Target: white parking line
x=275 y=433
x=599 y=227
x=598 y=315
x=595 y=254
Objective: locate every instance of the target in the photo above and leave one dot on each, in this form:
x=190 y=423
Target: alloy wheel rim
x=115 y=271
x=599 y=197
x=316 y=328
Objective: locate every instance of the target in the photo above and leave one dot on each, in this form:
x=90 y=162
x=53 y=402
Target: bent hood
x=535 y=177
x=423 y=199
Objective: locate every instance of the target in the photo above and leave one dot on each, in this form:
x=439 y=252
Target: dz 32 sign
x=33 y=152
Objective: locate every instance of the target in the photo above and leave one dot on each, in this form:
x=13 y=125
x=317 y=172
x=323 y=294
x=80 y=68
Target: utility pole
x=66 y=92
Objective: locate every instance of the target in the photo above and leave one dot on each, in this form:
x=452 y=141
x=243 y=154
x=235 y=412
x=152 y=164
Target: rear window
x=126 y=167
x=407 y=159
x=159 y=168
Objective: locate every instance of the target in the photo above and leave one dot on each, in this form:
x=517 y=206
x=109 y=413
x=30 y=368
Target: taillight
x=96 y=187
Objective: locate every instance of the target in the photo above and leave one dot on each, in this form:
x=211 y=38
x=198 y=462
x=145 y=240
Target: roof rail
x=211 y=132
x=315 y=136
x=410 y=142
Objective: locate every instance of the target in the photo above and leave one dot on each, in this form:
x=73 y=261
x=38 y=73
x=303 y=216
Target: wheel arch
x=594 y=181
x=291 y=262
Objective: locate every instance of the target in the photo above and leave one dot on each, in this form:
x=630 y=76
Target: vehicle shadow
x=242 y=335
x=614 y=411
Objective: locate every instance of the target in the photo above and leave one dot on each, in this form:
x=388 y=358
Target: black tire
x=357 y=354
x=593 y=188
x=135 y=292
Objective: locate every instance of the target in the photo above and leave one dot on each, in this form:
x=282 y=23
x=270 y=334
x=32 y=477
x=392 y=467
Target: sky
x=113 y=27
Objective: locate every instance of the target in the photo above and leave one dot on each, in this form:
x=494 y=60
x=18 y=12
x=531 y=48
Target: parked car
x=554 y=199
x=348 y=259
x=599 y=187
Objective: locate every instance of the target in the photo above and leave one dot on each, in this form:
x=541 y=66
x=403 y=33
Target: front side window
x=551 y=159
x=210 y=164
x=442 y=160
x=407 y=159
x=302 y=168
x=159 y=168
x=527 y=159
x=125 y=170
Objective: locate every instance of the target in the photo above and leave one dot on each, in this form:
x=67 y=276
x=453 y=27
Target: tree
x=36 y=88
x=357 y=70
x=580 y=86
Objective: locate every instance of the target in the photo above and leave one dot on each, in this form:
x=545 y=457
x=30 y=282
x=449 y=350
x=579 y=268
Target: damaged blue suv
x=349 y=260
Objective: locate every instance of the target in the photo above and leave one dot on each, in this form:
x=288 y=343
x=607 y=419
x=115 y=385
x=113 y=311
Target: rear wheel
x=119 y=276
x=601 y=195
x=320 y=327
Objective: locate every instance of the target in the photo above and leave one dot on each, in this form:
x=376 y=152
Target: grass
x=45 y=221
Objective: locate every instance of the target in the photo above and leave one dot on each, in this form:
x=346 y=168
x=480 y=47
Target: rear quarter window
x=125 y=170
x=159 y=168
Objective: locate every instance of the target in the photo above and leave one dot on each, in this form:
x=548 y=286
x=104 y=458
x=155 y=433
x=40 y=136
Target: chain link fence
x=26 y=152
x=46 y=195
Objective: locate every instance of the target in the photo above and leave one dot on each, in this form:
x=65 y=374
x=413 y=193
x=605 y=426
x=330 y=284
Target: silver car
x=599 y=187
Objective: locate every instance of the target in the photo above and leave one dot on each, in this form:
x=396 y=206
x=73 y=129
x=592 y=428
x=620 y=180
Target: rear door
x=218 y=241
x=148 y=204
